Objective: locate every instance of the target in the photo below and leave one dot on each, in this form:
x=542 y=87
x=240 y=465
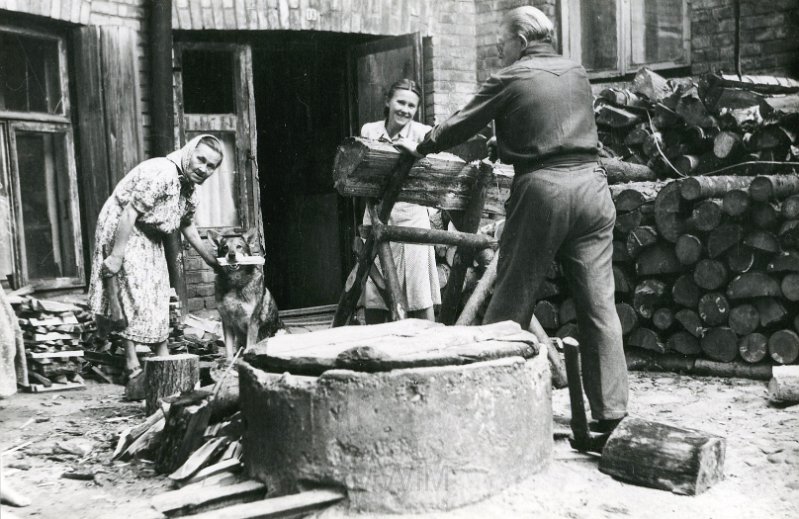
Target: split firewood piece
x=783 y=346
x=647 y=339
x=183 y=432
x=640 y=238
x=784 y=385
x=658 y=259
x=547 y=314
x=688 y=249
x=720 y=344
x=627 y=317
x=200 y=458
x=761 y=240
x=199 y=498
x=690 y=321
x=683 y=461
x=753 y=284
x=649 y=294
x=624 y=283
x=714 y=309
x=744 y=319
x=685 y=291
x=787 y=261
x=740 y=259
x=293 y=505
x=753 y=347
x=684 y=343
x=710 y=274
x=652 y=85
x=771 y=311
x=722 y=238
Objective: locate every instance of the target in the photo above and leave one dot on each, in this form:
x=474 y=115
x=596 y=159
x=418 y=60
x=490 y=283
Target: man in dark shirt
x=560 y=206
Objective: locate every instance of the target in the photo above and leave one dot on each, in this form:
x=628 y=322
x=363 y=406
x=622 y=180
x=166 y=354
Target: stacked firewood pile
x=693 y=128
x=706 y=263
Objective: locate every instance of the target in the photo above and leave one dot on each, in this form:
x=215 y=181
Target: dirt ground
x=74 y=432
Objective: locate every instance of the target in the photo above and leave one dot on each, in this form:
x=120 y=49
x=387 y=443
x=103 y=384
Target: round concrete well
x=406 y=440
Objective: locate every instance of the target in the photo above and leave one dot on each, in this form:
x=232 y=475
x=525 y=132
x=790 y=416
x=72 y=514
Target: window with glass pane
x=656 y=31
x=29 y=74
x=598 y=40
x=218 y=195
x=208 y=82
x=44 y=185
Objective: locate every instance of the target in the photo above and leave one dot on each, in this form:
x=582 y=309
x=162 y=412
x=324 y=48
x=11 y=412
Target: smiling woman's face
x=204 y=161
x=401 y=108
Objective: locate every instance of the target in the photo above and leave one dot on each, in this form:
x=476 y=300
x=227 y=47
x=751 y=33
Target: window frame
x=571 y=33
x=13 y=121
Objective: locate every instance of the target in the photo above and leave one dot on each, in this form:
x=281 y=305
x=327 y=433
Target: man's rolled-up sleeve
x=467 y=121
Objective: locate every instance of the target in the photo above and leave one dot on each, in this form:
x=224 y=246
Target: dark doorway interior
x=302 y=106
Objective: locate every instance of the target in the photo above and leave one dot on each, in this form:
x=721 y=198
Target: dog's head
x=232 y=247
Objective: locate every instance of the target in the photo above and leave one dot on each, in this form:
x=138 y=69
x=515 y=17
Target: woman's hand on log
x=408 y=146
x=491 y=145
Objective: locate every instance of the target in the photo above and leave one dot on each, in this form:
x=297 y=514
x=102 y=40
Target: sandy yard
x=74 y=432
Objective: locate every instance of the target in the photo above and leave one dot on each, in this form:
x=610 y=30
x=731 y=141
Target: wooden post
x=397 y=303
x=166 y=376
x=354 y=284
x=464 y=255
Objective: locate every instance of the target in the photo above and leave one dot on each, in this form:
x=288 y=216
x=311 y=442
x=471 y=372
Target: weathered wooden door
x=214 y=95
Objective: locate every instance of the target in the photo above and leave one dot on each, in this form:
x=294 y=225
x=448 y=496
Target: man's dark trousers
x=566 y=213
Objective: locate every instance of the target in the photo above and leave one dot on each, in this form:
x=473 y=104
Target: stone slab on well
x=407 y=440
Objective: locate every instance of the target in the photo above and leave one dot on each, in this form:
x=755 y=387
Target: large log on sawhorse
x=657 y=455
x=167 y=376
x=354 y=284
x=464 y=256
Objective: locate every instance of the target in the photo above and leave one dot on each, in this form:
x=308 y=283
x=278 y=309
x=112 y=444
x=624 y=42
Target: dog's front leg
x=252 y=332
x=230 y=341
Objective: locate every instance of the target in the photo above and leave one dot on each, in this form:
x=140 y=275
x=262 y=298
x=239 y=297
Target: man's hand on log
x=408 y=146
x=491 y=145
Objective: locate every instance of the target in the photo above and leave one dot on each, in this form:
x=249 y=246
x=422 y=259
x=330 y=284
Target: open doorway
x=302 y=97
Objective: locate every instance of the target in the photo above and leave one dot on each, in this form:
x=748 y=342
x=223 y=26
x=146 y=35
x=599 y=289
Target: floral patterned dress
x=164 y=205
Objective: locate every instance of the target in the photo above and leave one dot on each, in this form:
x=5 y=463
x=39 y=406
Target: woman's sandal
x=134 y=388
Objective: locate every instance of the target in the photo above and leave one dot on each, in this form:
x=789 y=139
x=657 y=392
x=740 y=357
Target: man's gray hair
x=530 y=23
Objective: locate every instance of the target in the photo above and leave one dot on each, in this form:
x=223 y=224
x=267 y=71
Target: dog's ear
x=251 y=237
x=215 y=238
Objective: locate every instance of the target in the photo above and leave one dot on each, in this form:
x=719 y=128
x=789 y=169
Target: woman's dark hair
x=402 y=84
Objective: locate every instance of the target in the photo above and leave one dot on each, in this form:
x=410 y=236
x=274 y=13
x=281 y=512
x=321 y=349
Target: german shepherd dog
x=247 y=308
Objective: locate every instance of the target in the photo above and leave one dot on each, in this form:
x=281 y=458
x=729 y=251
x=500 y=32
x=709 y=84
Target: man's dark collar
x=539 y=49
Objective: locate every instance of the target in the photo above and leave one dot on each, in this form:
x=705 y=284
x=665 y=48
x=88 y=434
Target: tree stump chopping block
x=657 y=455
x=166 y=376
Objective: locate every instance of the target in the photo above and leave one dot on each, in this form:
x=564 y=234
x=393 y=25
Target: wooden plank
x=55 y=354
x=202 y=498
x=286 y=506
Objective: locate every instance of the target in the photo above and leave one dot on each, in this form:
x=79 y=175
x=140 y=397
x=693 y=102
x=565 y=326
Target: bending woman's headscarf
x=182 y=157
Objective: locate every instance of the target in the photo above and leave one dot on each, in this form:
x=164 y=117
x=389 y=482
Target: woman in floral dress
x=153 y=200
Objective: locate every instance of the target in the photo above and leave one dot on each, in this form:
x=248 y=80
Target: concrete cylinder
x=408 y=440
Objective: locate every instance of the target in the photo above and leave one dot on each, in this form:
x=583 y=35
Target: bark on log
x=640 y=360
x=649 y=294
x=771 y=311
x=670 y=212
x=620 y=171
x=167 y=376
x=784 y=385
x=630 y=196
x=770 y=187
x=761 y=240
x=657 y=455
x=714 y=309
x=684 y=343
x=688 y=249
x=710 y=274
x=722 y=238
x=753 y=284
x=720 y=344
x=658 y=259
x=640 y=238
x=627 y=317
x=787 y=261
x=744 y=319
x=690 y=321
x=646 y=339
x=740 y=259
x=685 y=291
x=783 y=346
x=753 y=347
x=734 y=369
x=696 y=188
x=735 y=202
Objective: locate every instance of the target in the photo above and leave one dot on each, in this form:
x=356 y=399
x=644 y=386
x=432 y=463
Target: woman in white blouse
x=416 y=264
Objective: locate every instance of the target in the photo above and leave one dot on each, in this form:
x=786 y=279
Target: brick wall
x=769 y=36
